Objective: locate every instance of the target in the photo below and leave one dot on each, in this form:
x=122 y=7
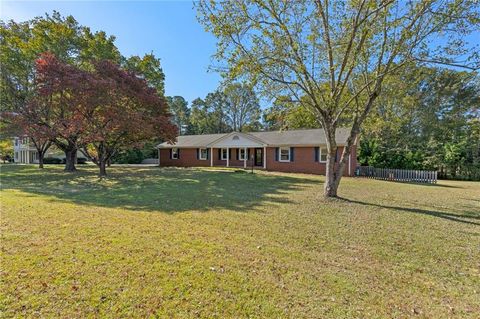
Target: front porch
x=238 y=150
x=237 y=157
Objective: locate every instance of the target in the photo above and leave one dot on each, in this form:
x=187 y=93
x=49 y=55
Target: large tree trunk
x=42 y=148
x=331 y=180
x=103 y=170
x=70 y=160
x=103 y=159
x=70 y=150
x=334 y=174
x=41 y=155
x=335 y=169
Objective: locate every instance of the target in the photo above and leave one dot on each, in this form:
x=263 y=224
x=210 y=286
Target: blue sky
x=169 y=29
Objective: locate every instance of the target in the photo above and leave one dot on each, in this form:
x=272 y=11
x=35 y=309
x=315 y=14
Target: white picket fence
x=397 y=175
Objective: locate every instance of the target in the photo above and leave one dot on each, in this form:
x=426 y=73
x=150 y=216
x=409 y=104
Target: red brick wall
x=188 y=158
x=353 y=161
x=304 y=160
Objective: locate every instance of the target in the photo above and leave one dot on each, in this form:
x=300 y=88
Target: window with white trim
x=284 y=155
x=174 y=153
x=323 y=154
x=203 y=154
x=242 y=155
x=224 y=154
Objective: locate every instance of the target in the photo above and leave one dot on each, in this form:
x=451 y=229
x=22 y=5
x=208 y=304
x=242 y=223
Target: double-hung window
x=174 y=153
x=323 y=154
x=242 y=155
x=284 y=154
x=203 y=154
x=224 y=154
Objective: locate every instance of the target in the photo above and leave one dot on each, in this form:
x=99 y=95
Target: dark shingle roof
x=300 y=137
x=275 y=138
x=194 y=140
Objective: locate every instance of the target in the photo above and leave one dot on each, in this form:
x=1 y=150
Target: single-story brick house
x=299 y=151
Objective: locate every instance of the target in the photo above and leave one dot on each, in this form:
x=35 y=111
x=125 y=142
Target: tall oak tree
x=333 y=56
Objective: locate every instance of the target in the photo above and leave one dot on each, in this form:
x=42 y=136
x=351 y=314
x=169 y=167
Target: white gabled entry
x=239 y=140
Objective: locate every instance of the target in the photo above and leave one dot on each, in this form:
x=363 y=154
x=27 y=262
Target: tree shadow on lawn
x=430 y=184
x=464 y=216
x=421 y=184
x=154 y=189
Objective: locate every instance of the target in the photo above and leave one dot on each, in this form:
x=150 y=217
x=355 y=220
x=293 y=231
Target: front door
x=259 y=157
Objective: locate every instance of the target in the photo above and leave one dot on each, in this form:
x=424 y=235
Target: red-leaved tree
x=50 y=115
x=123 y=112
x=59 y=104
x=98 y=112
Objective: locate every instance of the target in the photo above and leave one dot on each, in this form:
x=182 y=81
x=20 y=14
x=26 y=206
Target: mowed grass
x=195 y=243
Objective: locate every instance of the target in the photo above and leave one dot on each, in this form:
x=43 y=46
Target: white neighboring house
x=24 y=152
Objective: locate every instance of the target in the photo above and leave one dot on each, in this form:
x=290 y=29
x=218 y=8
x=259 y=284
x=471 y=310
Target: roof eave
x=264 y=145
x=246 y=135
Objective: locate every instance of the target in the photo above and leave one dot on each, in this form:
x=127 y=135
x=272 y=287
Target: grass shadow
x=467 y=217
x=153 y=189
x=420 y=184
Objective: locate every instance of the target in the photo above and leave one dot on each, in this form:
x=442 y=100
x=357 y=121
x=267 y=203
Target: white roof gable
x=236 y=139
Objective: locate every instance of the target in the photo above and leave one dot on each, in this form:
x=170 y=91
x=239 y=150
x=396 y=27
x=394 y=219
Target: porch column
x=228 y=157
x=349 y=164
x=264 y=157
x=211 y=156
x=159 y=157
x=245 y=157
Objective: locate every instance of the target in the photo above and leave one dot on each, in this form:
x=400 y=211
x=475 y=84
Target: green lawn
x=192 y=243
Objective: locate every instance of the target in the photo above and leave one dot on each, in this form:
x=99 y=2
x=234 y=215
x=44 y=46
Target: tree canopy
x=101 y=111
x=178 y=107
x=232 y=107
x=242 y=107
x=22 y=43
x=333 y=56
x=428 y=119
